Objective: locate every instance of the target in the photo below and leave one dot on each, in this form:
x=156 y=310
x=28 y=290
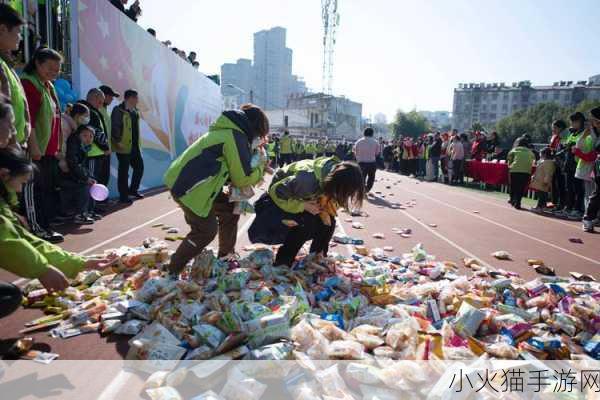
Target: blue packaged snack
x=592 y=347
x=336 y=318
x=558 y=290
x=324 y=294
x=509 y=299
x=545 y=343
x=332 y=282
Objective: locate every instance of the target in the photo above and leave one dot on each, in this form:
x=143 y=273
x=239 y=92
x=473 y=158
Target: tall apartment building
x=241 y=78
x=268 y=79
x=487 y=103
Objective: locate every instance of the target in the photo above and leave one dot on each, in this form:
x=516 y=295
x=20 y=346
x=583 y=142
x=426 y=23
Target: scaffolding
x=331 y=21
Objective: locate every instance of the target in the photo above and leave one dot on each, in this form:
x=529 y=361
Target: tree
x=536 y=121
x=476 y=127
x=410 y=124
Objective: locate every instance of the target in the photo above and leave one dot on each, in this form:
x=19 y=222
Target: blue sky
x=394 y=54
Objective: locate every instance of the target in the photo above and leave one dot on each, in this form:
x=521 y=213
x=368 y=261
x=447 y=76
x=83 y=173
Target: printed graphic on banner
x=177 y=103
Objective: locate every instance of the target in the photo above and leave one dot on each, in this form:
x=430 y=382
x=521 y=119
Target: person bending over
x=300 y=205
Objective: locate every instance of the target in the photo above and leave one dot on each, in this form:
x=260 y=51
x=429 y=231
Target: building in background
x=487 y=103
x=237 y=80
x=318 y=116
x=267 y=80
x=437 y=119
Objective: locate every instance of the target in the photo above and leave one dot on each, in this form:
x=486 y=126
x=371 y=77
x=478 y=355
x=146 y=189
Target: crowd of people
x=135 y=11
x=70 y=150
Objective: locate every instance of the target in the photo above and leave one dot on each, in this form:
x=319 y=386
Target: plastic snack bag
x=208 y=334
x=164 y=393
x=241 y=387
x=155 y=380
x=468 y=320
x=363 y=373
x=331 y=381
x=501 y=255
x=345 y=350
x=210 y=395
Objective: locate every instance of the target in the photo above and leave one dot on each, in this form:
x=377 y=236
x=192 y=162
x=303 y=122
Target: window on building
x=484 y=107
x=556 y=95
x=504 y=107
x=505 y=96
x=494 y=96
x=317 y=119
x=286 y=121
x=493 y=107
x=544 y=96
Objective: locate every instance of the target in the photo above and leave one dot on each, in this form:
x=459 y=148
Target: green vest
x=271 y=149
x=286 y=144
x=17 y=98
x=127 y=134
x=588 y=146
x=96 y=151
x=107 y=123
x=45 y=116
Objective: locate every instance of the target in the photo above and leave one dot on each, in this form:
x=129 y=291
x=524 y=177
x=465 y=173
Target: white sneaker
x=588 y=226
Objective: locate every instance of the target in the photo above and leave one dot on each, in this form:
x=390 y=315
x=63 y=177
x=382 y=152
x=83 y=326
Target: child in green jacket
x=300 y=205
x=23 y=253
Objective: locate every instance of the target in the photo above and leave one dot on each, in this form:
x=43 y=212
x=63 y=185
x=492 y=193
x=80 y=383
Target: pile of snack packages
x=370 y=306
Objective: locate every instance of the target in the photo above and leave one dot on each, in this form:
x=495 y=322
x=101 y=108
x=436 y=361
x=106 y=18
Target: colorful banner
x=177 y=102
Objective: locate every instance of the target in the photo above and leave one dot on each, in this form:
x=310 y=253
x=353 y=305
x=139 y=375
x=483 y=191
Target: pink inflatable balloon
x=99 y=192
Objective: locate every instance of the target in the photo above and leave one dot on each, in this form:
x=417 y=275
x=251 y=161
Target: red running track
x=468 y=224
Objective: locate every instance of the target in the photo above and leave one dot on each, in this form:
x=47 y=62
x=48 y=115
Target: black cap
x=595 y=112
x=108 y=91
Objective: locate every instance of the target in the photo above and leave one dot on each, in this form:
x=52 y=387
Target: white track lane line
x=445 y=239
x=349 y=247
x=480 y=199
x=114 y=387
x=507 y=228
x=119 y=236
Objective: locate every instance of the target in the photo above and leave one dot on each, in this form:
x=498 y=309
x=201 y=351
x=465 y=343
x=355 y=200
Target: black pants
x=575 y=193
x=368 y=170
x=103 y=171
x=75 y=194
x=10 y=298
x=558 y=189
x=135 y=161
x=40 y=197
x=519 y=182
x=312 y=228
x=95 y=166
x=542 y=198
x=458 y=175
x=594 y=205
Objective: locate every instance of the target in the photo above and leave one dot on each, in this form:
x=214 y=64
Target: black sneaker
x=94 y=216
x=137 y=195
x=83 y=220
x=127 y=201
x=50 y=236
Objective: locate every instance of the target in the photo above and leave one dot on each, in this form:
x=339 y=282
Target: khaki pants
x=221 y=220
